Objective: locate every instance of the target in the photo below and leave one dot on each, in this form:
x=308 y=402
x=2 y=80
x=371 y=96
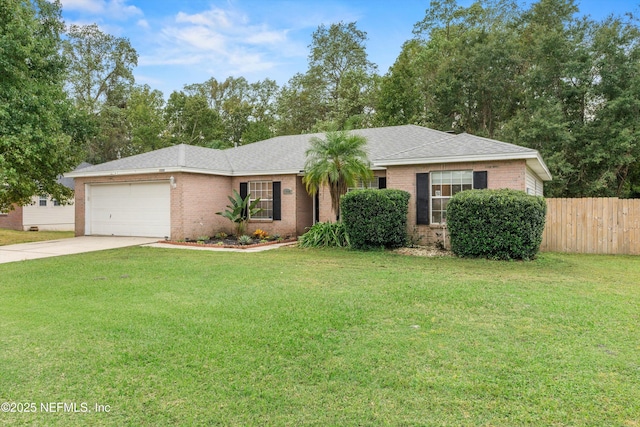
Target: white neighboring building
x=44 y=212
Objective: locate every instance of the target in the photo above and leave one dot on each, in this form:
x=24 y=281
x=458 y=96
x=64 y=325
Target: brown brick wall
x=324 y=198
x=194 y=203
x=197 y=198
x=304 y=208
x=12 y=219
x=500 y=174
x=288 y=225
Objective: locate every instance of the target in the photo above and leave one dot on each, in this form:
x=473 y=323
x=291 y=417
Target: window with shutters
x=444 y=185
x=262 y=190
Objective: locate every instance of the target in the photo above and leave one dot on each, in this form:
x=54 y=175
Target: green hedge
x=496 y=224
x=375 y=218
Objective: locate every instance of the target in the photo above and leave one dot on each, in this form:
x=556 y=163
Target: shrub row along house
x=174 y=192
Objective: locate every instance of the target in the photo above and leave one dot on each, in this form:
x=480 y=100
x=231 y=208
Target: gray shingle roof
x=286 y=154
x=69 y=182
x=462 y=145
x=174 y=157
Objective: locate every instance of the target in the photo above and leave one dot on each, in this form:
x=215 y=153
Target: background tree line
x=541 y=76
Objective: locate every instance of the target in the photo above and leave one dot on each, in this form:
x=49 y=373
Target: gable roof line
x=393 y=145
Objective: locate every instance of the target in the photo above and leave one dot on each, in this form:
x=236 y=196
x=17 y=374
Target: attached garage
x=128 y=209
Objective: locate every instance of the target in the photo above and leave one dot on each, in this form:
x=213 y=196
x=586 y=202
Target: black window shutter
x=382 y=182
x=244 y=190
x=422 y=198
x=277 y=211
x=480 y=180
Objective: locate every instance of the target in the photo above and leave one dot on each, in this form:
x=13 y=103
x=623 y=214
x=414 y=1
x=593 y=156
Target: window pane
x=262 y=190
x=444 y=185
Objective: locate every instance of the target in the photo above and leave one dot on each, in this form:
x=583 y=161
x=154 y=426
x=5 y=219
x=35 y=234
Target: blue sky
x=184 y=42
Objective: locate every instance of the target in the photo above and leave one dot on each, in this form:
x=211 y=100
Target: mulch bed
x=229 y=242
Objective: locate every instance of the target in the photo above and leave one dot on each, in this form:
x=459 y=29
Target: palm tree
x=338 y=161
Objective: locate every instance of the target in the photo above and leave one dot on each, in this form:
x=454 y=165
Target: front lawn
x=11 y=237
x=320 y=337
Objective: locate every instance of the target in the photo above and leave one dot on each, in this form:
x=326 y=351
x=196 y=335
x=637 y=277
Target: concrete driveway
x=75 y=245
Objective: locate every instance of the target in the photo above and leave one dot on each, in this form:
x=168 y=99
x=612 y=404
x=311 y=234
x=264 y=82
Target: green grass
x=321 y=337
x=11 y=237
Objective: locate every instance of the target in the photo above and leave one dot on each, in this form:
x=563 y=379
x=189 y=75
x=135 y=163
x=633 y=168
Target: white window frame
x=42 y=201
x=257 y=190
x=456 y=181
x=361 y=185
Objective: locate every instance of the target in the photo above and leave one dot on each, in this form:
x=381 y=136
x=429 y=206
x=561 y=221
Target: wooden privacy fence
x=593 y=226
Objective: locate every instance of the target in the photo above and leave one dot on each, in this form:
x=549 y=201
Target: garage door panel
x=131 y=209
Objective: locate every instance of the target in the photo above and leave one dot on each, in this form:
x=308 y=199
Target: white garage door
x=129 y=209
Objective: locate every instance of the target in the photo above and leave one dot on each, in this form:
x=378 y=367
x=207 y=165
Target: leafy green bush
x=324 y=234
x=240 y=210
x=375 y=218
x=496 y=224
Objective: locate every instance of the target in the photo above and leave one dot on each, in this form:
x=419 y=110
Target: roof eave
x=539 y=167
x=142 y=171
x=267 y=172
x=533 y=159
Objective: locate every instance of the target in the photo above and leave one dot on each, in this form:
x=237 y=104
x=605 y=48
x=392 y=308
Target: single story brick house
x=44 y=212
x=175 y=192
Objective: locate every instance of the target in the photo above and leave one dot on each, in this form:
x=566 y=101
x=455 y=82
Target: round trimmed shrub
x=496 y=224
x=375 y=218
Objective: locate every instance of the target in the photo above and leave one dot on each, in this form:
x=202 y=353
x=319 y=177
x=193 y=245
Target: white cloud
x=196 y=37
x=143 y=23
x=117 y=9
x=267 y=37
x=224 y=42
x=210 y=18
x=90 y=6
x=142 y=79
